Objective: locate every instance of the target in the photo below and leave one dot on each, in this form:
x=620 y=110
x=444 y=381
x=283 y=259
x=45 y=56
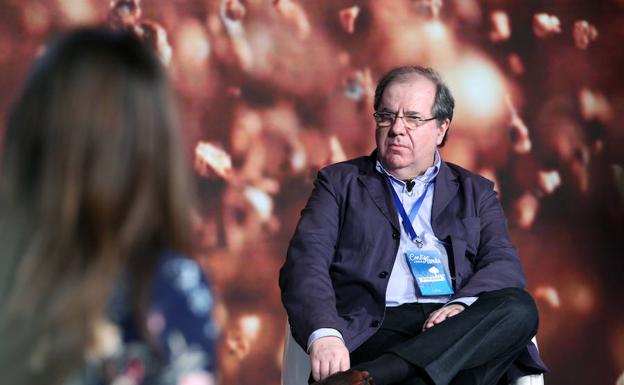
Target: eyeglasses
x=386 y=119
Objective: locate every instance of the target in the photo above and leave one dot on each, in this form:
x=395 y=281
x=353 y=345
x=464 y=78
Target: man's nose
x=398 y=126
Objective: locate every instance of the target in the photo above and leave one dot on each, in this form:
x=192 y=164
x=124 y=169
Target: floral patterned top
x=179 y=319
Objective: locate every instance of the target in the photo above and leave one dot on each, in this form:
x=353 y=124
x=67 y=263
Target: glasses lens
x=384 y=119
x=412 y=121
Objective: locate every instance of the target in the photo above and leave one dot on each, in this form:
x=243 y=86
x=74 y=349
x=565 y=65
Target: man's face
x=402 y=151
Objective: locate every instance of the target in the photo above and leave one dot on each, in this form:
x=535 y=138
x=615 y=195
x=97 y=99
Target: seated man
x=401 y=268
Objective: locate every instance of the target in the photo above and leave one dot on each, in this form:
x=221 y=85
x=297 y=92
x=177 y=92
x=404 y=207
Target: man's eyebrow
x=412 y=113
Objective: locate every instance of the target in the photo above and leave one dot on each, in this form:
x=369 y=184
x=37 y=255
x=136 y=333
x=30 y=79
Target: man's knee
x=519 y=307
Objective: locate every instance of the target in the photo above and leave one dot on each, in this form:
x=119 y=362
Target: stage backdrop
x=272 y=90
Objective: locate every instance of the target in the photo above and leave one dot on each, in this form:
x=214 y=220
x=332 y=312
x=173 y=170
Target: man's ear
x=442 y=128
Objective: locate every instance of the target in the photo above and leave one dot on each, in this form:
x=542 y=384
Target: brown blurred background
x=271 y=90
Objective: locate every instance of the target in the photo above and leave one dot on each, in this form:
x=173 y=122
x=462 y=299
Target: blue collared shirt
x=401 y=286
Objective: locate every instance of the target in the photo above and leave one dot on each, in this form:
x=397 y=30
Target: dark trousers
x=477 y=346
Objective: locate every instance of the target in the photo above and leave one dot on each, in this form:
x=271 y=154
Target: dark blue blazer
x=343 y=250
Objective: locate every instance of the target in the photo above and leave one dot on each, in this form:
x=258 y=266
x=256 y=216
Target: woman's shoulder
x=179 y=281
x=180 y=316
x=179 y=269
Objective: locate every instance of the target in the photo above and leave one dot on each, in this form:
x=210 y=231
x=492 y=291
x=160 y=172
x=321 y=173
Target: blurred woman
x=94 y=224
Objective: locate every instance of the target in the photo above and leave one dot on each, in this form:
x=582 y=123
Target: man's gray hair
x=443 y=104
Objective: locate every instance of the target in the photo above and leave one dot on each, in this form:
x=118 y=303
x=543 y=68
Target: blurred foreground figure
x=401 y=266
x=94 y=215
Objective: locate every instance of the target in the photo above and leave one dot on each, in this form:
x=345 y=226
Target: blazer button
x=383 y=274
x=375 y=324
x=396 y=235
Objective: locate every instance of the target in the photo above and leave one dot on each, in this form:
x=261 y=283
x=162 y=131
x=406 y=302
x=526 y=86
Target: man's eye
x=412 y=118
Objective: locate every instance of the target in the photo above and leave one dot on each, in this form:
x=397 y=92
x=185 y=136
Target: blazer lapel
x=377 y=187
x=446 y=187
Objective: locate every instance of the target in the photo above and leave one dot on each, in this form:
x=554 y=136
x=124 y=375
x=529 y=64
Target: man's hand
x=328 y=356
x=442 y=314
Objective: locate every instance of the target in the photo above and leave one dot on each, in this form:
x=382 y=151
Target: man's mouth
x=396 y=145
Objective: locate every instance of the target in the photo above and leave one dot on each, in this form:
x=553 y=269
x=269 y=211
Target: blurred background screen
x=272 y=90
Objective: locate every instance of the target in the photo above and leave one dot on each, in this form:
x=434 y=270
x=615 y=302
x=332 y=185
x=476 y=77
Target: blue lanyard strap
x=408 y=219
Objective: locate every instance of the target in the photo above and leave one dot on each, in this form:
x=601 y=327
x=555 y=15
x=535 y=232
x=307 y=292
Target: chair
x=296 y=365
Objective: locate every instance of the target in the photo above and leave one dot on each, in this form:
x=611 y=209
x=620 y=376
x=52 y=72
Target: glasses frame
x=394 y=115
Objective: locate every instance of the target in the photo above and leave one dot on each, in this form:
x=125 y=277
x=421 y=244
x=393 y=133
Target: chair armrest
x=295 y=362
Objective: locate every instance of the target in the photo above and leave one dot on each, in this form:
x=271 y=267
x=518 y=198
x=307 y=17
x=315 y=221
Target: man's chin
x=394 y=156
x=394 y=162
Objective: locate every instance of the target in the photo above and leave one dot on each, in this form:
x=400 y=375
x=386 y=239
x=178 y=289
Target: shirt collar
x=428 y=176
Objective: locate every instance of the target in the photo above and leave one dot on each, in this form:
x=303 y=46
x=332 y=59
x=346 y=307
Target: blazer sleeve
x=496 y=264
x=307 y=291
